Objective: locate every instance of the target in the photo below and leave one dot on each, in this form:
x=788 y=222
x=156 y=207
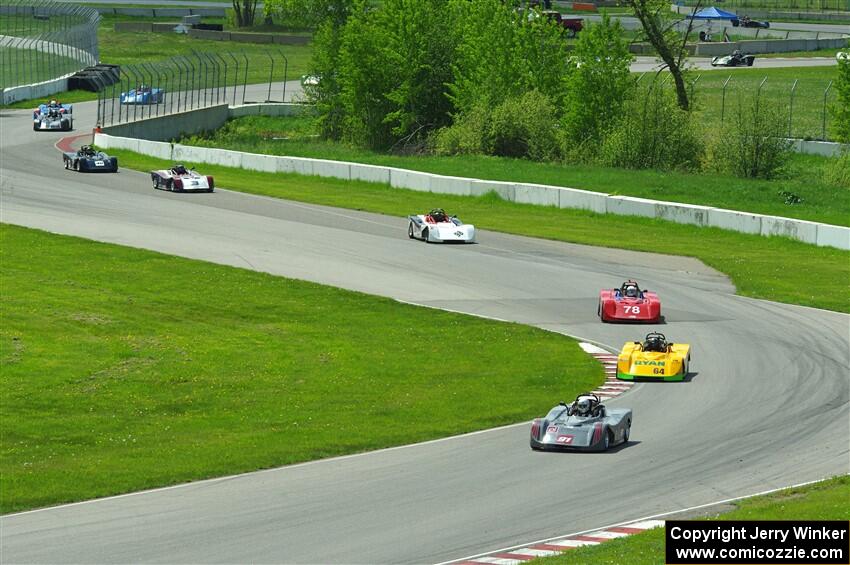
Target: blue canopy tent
x=714 y=14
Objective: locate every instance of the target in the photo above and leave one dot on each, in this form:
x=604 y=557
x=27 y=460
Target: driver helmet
x=631 y=291
x=582 y=406
x=439 y=215
x=654 y=343
x=736 y=52
x=179 y=169
x=53 y=103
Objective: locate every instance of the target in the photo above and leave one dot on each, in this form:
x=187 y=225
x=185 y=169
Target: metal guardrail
x=43 y=40
x=186 y=82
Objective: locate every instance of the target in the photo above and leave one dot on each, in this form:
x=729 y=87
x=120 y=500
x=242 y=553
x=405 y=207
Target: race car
x=745 y=21
x=53 y=116
x=736 y=59
x=584 y=425
x=437 y=226
x=654 y=359
x=180 y=179
x=629 y=304
x=88 y=160
x=142 y=95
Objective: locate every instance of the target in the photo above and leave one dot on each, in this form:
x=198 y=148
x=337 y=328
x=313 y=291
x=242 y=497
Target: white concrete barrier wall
x=540 y=195
x=505 y=190
x=537 y=194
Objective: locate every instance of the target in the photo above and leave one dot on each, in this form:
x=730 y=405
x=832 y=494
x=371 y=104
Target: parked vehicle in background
x=571 y=25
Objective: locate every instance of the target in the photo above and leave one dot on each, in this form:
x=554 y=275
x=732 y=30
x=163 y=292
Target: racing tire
x=425 y=235
x=410 y=230
x=169 y=185
x=627 y=432
x=34 y=127
x=686 y=367
x=606 y=440
x=156 y=183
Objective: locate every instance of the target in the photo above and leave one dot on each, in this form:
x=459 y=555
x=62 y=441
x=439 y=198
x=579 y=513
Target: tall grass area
x=827 y=500
x=823 y=199
x=126 y=369
x=773 y=268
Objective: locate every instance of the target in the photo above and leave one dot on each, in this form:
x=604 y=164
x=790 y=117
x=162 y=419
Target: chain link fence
x=41 y=41
x=188 y=82
x=718 y=99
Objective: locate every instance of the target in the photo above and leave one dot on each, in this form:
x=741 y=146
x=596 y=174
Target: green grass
x=827 y=500
x=125 y=369
x=821 y=202
x=24 y=66
x=807 y=117
x=774 y=268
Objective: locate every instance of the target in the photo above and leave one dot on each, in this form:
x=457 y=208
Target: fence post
x=285 y=73
x=723 y=98
x=791 y=107
x=823 y=124
x=236 y=76
x=271 y=77
x=245 y=80
x=694 y=84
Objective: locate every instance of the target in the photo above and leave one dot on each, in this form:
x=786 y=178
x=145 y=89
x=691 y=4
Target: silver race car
x=584 y=425
x=180 y=179
x=53 y=116
x=438 y=227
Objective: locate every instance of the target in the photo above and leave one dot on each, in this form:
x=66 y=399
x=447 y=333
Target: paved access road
x=767 y=405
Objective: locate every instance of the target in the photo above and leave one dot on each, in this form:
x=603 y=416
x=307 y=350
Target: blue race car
x=143 y=95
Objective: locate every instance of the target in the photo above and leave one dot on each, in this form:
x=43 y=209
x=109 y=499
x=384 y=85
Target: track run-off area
x=766 y=405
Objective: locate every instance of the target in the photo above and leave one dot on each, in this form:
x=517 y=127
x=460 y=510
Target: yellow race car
x=654 y=359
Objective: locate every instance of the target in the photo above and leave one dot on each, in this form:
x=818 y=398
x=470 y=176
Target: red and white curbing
x=612 y=386
x=556 y=546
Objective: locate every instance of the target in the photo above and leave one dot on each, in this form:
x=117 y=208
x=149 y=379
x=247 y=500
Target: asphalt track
x=767 y=405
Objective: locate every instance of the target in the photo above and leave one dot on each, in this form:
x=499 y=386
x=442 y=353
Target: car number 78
x=632 y=309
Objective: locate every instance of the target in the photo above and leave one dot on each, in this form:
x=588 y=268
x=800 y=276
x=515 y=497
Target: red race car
x=629 y=304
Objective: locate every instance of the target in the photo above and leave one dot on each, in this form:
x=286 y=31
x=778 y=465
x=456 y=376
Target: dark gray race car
x=88 y=160
x=584 y=425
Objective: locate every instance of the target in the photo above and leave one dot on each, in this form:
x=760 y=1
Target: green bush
x=837 y=171
x=525 y=126
x=653 y=133
x=468 y=135
x=756 y=146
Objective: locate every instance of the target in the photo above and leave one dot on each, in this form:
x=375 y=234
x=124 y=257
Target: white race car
x=437 y=227
x=180 y=179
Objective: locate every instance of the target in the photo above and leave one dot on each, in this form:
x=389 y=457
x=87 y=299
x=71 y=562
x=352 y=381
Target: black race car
x=745 y=21
x=89 y=160
x=736 y=59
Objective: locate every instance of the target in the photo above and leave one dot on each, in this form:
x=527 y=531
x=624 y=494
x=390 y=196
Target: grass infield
x=827 y=500
x=772 y=268
x=125 y=369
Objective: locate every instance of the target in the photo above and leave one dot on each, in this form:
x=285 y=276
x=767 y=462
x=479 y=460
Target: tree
x=599 y=84
x=308 y=13
x=671 y=45
x=245 y=11
x=841 y=109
